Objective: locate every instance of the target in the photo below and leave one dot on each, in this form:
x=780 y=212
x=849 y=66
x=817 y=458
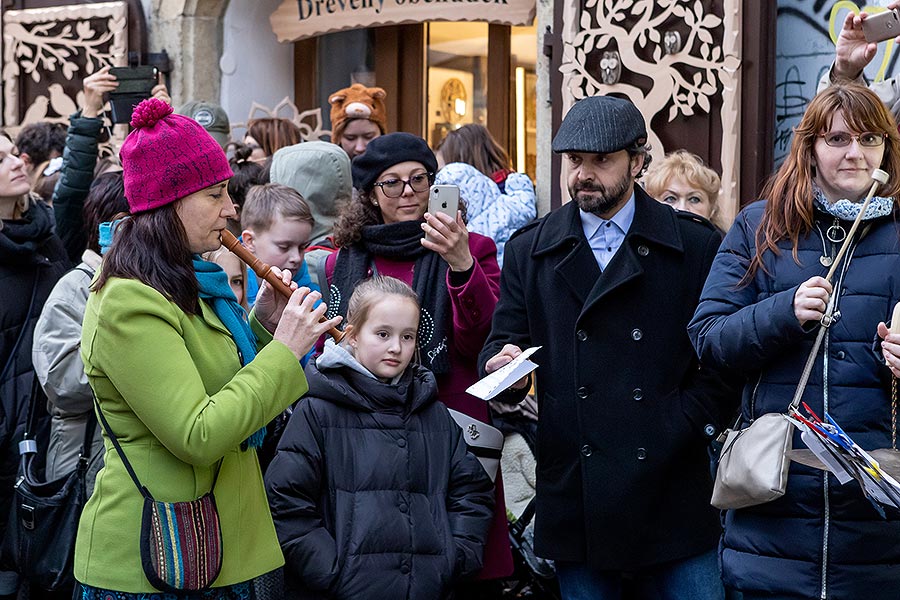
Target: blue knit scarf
x=214 y=288
x=846 y=210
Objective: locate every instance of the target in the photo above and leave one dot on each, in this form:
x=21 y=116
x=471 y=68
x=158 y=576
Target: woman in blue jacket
x=759 y=314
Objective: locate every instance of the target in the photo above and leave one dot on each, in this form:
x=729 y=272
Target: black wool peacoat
x=626 y=412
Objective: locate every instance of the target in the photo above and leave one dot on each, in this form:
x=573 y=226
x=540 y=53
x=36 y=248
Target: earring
x=375 y=202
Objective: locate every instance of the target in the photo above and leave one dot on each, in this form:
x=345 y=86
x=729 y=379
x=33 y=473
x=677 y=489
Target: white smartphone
x=882 y=26
x=443 y=199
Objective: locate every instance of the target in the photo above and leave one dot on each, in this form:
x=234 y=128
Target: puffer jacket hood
x=347 y=383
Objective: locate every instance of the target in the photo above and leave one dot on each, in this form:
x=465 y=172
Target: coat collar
x=655 y=226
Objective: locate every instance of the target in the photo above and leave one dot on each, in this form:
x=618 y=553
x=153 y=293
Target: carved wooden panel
x=48 y=51
x=675 y=59
x=309 y=121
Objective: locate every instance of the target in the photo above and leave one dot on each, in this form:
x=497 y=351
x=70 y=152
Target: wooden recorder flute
x=264 y=271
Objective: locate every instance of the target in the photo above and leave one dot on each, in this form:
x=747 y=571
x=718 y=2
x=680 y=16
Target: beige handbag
x=753 y=465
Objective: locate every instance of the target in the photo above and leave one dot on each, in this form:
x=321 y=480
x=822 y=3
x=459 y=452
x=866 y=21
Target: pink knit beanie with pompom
x=168 y=157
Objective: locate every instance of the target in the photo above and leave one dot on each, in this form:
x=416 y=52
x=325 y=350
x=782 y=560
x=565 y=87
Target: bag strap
x=893 y=413
x=827 y=318
x=89 y=428
x=115 y=441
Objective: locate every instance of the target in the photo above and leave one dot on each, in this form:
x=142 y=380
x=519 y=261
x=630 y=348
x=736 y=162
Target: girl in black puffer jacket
x=373 y=492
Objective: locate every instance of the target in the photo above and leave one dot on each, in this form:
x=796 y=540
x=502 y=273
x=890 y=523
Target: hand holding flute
x=289 y=313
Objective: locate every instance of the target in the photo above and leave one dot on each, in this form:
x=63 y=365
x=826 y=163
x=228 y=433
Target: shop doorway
x=438 y=76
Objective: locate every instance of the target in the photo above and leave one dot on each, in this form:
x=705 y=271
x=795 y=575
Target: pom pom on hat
x=167 y=157
x=149 y=112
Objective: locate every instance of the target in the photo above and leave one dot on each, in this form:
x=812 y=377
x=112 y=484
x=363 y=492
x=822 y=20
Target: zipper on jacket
x=753 y=399
x=824 y=594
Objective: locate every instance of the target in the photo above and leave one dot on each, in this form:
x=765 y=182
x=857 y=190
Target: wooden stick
x=879 y=178
x=264 y=271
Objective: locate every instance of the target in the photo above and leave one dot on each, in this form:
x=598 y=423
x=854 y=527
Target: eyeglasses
x=393 y=188
x=842 y=139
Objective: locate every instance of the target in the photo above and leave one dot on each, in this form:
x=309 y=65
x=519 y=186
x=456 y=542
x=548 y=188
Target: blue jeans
x=696 y=578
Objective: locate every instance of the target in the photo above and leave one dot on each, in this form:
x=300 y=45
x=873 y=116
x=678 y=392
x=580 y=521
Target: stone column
x=191 y=32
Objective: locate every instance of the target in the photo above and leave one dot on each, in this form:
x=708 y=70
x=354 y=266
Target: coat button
x=709 y=430
x=402 y=390
x=641 y=454
x=476 y=314
x=637 y=394
x=401 y=442
x=582 y=392
x=404 y=569
x=643 y=250
x=581 y=335
x=636 y=334
x=586 y=450
x=403 y=507
x=840 y=355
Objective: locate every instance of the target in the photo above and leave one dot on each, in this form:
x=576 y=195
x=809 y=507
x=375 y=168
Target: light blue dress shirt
x=605 y=237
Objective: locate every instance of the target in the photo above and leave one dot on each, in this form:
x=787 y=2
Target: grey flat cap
x=600 y=125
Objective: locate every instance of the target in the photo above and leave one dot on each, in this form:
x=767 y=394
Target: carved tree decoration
x=309 y=121
x=38 y=43
x=683 y=81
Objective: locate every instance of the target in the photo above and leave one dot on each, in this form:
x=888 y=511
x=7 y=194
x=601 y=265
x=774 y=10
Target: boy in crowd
x=277 y=224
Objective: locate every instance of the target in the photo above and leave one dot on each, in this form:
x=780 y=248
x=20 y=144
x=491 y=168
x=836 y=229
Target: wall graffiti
x=806 y=32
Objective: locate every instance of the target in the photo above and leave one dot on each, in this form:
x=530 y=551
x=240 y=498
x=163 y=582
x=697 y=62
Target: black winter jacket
x=32 y=260
x=373 y=492
x=75 y=178
x=821 y=539
x=625 y=410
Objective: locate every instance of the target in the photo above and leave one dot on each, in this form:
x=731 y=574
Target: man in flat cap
x=607 y=284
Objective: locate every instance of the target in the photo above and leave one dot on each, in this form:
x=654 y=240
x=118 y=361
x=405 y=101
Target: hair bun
x=149 y=112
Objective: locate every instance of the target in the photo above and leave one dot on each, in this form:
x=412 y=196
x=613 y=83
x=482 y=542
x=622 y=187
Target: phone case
x=134 y=80
x=883 y=26
x=443 y=199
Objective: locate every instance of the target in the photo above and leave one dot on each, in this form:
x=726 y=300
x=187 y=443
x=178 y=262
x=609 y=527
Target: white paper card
x=505 y=376
x=815 y=444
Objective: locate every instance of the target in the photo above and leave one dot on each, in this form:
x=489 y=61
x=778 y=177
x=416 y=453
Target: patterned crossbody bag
x=181 y=542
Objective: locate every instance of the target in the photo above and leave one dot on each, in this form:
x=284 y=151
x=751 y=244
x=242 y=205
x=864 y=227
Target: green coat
x=174 y=393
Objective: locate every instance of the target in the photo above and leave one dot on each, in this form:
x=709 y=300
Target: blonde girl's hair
x=213 y=255
x=369 y=291
x=690 y=168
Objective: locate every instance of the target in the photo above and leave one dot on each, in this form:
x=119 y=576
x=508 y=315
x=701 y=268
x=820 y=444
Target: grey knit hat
x=600 y=125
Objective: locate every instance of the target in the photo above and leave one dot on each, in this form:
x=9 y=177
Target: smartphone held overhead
x=882 y=26
x=135 y=84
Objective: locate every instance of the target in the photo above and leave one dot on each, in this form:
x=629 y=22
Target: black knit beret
x=384 y=152
x=600 y=125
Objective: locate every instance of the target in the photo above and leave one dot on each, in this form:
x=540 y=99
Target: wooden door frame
x=400 y=61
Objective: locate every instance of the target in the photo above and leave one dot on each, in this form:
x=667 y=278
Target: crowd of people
x=325 y=406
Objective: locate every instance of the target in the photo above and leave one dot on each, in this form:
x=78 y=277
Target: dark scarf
x=401 y=242
x=21 y=239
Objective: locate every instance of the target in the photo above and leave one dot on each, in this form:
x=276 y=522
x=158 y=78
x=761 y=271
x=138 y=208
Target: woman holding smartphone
x=387 y=230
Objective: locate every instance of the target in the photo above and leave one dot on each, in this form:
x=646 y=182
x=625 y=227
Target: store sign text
x=318 y=8
x=299 y=19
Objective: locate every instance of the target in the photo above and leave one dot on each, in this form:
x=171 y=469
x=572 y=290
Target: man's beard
x=599 y=199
